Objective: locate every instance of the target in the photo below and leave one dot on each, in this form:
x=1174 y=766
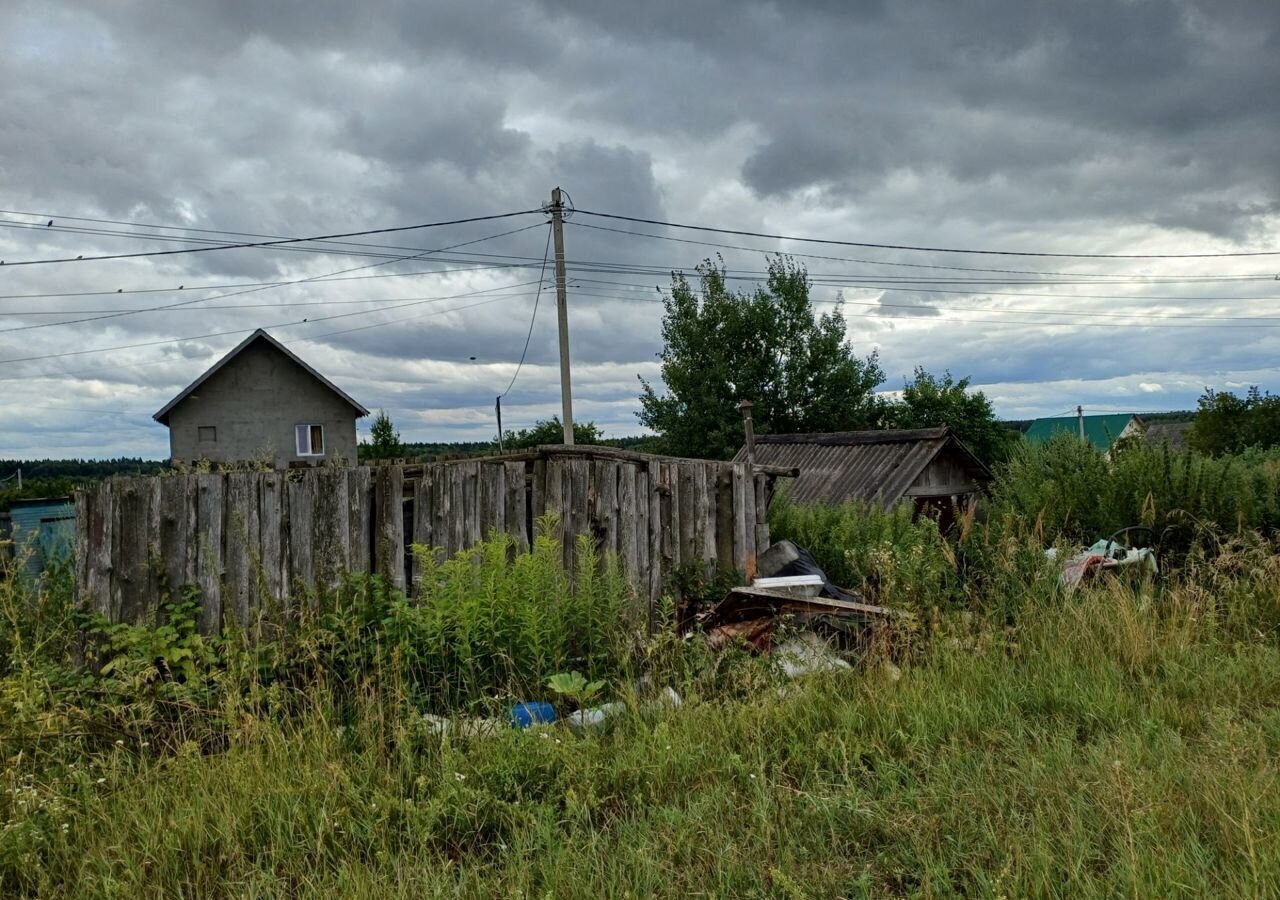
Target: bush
x=883 y=553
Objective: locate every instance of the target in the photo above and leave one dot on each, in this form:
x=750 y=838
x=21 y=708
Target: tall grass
x=1079 y=495
x=1121 y=741
x=1119 y=744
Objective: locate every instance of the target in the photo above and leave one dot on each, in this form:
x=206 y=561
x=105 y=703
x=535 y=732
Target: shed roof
x=876 y=466
x=1101 y=431
x=1172 y=433
x=260 y=335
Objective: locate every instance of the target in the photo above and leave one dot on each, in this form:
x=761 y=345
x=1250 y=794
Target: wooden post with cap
x=749 y=427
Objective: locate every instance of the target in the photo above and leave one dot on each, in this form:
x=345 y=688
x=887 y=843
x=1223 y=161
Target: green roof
x=1101 y=431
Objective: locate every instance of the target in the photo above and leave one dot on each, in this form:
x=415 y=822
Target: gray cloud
x=1093 y=126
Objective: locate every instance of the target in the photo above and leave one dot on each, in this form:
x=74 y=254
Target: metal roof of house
x=1101 y=431
x=260 y=335
x=876 y=466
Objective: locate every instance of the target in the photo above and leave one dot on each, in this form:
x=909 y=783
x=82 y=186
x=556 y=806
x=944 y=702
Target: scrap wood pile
x=793 y=590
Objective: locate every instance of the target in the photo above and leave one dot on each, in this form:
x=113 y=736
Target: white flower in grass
x=459 y=776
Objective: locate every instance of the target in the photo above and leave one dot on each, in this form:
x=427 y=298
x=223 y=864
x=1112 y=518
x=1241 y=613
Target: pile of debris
x=792 y=588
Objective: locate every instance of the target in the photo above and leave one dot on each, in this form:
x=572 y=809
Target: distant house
x=1101 y=431
x=38 y=532
x=261 y=401
x=928 y=467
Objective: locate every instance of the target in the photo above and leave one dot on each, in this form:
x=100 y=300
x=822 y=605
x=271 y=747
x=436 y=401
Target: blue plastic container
x=537 y=713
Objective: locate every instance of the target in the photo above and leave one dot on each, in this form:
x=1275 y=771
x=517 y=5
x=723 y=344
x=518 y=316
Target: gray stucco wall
x=254 y=402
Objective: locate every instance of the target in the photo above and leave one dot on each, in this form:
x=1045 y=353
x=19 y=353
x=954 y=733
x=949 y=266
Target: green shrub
x=883 y=553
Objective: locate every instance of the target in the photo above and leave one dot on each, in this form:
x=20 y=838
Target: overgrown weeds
x=1120 y=741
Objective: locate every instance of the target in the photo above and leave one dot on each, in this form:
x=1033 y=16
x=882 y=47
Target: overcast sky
x=1082 y=127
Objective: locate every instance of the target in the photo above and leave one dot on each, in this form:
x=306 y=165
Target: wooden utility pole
x=562 y=316
x=497 y=405
x=1080 y=421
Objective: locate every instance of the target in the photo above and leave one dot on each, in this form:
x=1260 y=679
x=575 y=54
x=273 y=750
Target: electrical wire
x=873 y=262
x=532 y=318
x=184 y=303
x=923 y=249
x=196 y=337
x=272 y=243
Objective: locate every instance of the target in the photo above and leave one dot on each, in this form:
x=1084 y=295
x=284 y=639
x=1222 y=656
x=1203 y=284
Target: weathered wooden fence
x=252 y=540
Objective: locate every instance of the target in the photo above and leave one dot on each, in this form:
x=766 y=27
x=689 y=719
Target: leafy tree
x=550 y=431
x=723 y=346
x=929 y=401
x=384 y=440
x=1226 y=423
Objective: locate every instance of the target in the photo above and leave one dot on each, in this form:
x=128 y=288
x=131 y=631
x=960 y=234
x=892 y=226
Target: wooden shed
x=930 y=467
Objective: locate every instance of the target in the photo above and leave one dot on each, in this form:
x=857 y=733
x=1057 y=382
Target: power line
x=184 y=303
x=865 y=261
x=546 y=252
x=197 y=337
x=922 y=249
x=272 y=243
x=1027 y=294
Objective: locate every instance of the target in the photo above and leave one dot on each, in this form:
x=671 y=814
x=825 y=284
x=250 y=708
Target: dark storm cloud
x=1090 y=126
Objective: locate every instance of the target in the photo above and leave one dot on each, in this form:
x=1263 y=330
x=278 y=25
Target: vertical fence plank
x=707 y=516
x=493 y=511
x=762 y=513
x=242 y=540
x=136 y=595
x=689 y=549
x=670 y=516
x=101 y=522
x=423 y=525
x=577 y=505
x=175 y=532
x=389 y=525
x=273 y=573
x=724 y=517
x=298 y=502
x=748 y=516
x=657 y=565
x=359 y=519
x=603 y=505
x=740 y=487
x=628 y=520
x=330 y=526
x=209 y=513
x=471 y=533
x=516 y=500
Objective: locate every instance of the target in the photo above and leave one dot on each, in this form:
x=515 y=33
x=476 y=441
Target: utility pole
x=497 y=405
x=1080 y=421
x=562 y=315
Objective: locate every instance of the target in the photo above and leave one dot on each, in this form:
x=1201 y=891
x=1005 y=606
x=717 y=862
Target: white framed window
x=207 y=434
x=309 y=439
